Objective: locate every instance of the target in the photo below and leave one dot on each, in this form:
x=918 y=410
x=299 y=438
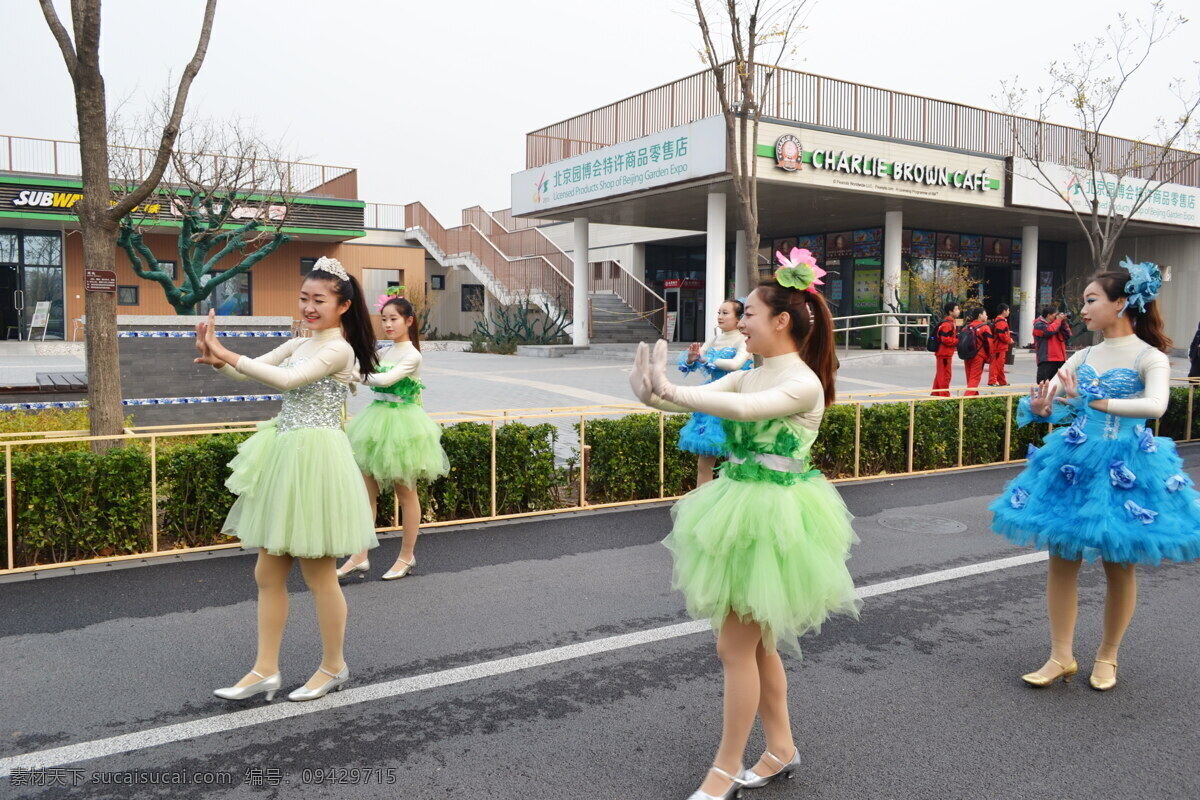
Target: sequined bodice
x=1119 y=382
x=313 y=405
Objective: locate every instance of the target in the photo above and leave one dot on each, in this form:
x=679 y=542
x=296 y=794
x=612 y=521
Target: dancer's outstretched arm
x=408 y=364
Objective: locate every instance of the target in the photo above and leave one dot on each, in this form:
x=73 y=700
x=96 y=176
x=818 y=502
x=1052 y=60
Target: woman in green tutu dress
x=299 y=494
x=761 y=551
x=395 y=442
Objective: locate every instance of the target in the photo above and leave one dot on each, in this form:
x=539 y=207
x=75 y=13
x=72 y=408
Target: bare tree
x=1102 y=180
x=98 y=220
x=736 y=34
x=231 y=193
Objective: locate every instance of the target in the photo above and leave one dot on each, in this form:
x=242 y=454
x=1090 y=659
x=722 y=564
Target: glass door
x=31 y=271
x=10 y=285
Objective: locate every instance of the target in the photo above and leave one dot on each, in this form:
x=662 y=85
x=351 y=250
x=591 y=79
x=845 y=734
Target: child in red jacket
x=977 y=322
x=947 y=336
x=1051 y=332
x=1001 y=343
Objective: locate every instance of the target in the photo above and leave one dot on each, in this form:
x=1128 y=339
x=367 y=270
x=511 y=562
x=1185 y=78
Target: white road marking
x=258 y=715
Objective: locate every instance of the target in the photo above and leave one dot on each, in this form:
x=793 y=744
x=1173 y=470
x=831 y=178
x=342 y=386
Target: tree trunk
x=99 y=250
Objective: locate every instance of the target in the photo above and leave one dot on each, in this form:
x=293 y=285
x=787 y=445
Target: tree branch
x=60 y=35
x=171 y=131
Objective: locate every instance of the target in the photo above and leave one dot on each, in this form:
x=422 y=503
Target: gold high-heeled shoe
x=1039 y=680
x=396 y=574
x=349 y=568
x=1105 y=685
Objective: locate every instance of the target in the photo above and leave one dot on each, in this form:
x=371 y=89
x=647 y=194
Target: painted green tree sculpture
x=205 y=229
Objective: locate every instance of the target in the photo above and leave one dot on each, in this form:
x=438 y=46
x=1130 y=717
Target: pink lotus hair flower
x=799 y=270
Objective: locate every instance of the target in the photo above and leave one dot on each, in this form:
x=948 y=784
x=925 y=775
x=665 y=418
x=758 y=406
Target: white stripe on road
x=153 y=737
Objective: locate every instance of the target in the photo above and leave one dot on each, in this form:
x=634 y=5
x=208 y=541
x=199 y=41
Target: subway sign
x=48 y=198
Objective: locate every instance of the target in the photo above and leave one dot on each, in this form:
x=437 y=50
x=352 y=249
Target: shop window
x=230 y=298
x=127 y=295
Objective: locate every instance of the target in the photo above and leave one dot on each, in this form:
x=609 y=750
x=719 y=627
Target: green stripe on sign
x=766 y=150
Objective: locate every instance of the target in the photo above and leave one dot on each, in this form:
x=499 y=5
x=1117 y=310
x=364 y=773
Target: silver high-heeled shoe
x=395 y=574
x=734 y=790
x=752 y=780
x=269 y=684
x=334 y=682
x=349 y=568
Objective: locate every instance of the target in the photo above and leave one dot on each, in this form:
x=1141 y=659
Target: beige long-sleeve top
x=325 y=353
x=403 y=360
x=784 y=386
x=1152 y=366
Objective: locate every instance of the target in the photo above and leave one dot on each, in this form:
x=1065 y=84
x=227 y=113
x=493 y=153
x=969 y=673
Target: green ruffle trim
x=745 y=440
x=406 y=390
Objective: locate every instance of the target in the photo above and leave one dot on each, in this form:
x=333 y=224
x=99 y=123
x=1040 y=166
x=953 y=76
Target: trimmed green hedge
x=71 y=504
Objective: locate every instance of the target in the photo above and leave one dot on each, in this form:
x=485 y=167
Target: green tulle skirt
x=299 y=494
x=397 y=443
x=769 y=553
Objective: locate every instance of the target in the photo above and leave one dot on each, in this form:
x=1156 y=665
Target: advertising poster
x=923 y=244
x=970 y=248
x=947 y=245
x=868 y=243
x=997 y=250
x=839 y=245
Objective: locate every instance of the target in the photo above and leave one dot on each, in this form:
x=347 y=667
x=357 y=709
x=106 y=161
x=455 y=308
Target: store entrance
x=997 y=287
x=31 y=272
x=10 y=298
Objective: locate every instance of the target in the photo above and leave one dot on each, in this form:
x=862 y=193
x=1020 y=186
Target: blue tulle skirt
x=1103 y=488
x=702 y=435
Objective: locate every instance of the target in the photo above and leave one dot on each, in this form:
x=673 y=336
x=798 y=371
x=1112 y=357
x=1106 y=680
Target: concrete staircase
x=615 y=322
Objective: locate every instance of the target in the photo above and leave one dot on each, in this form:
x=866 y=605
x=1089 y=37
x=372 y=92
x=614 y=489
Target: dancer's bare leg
x=410 y=515
x=360 y=558
x=1062 y=604
x=270 y=573
x=704 y=469
x=736 y=647
x=773 y=710
x=1119 y=604
x=321 y=576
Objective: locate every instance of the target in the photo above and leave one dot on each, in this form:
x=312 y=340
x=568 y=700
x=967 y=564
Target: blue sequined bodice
x=1118 y=382
x=313 y=405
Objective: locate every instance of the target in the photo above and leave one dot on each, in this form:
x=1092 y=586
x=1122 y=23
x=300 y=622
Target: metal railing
x=575 y=497
x=802 y=97
x=647 y=304
x=61 y=157
x=885 y=321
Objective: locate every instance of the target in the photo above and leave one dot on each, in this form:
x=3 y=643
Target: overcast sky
x=431 y=100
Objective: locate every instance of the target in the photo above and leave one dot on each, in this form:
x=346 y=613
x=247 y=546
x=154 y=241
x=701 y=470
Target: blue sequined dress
x=703 y=433
x=1103 y=487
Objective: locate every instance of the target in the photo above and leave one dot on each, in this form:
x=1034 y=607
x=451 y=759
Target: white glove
x=639 y=376
x=658 y=371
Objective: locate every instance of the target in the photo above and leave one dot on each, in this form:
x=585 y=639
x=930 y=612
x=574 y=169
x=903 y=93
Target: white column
x=893 y=225
x=579 y=300
x=1029 y=260
x=714 y=259
x=741 y=283
x=637 y=261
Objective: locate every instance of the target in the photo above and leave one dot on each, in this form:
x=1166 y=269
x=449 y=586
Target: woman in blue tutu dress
x=395 y=442
x=1104 y=487
x=300 y=497
x=724 y=353
x=761 y=551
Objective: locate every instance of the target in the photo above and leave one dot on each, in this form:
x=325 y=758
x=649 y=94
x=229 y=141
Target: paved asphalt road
x=454 y=694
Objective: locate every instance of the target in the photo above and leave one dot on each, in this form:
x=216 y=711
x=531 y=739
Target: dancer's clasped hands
x=649 y=374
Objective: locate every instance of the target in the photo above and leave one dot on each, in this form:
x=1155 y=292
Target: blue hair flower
x=1145 y=279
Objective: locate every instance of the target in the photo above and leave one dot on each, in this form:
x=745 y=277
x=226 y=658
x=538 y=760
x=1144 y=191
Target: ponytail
x=811 y=329
x=406 y=310
x=356 y=322
x=1148 y=324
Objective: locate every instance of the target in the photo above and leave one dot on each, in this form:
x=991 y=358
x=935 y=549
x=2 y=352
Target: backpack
x=932 y=343
x=968 y=344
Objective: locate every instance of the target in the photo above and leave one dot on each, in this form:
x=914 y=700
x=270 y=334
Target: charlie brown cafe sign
x=856 y=163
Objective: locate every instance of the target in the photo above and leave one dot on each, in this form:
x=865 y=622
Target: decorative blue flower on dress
x=1019 y=498
x=1179 y=481
x=1092 y=388
x=1146 y=441
x=1121 y=476
x=1030 y=451
x=1137 y=512
x=1075 y=434
x=1070 y=473
x=1145 y=279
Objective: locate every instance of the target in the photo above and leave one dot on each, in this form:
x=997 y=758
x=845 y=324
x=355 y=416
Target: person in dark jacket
x=1051 y=332
x=947 y=336
x=1194 y=355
